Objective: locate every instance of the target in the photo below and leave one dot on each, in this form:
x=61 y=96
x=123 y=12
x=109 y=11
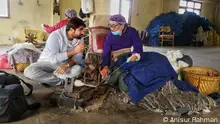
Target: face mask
x=116 y=32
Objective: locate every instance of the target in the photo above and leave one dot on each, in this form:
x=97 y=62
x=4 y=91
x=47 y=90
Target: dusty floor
x=115 y=112
x=112 y=113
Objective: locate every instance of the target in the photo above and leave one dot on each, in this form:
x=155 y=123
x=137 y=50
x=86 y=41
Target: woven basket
x=205 y=79
x=20 y=67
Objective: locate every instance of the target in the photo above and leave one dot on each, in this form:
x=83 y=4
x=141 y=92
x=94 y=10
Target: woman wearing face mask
x=148 y=75
x=121 y=36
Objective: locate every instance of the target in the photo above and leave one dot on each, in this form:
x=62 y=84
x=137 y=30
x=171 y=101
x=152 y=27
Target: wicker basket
x=206 y=80
x=20 y=67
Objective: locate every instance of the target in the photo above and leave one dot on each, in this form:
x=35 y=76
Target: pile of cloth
x=207 y=38
x=184 y=25
x=21 y=55
x=178 y=60
x=201 y=36
x=153 y=84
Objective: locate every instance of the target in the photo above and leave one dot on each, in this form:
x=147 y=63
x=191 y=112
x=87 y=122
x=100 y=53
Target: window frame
x=182 y=7
x=130 y=10
x=8 y=10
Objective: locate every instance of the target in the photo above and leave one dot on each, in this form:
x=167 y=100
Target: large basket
x=20 y=67
x=205 y=79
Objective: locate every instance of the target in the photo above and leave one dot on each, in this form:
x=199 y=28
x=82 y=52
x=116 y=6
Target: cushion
x=97 y=37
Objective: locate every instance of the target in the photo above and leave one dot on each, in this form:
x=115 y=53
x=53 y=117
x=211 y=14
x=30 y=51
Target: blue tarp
x=150 y=74
x=184 y=25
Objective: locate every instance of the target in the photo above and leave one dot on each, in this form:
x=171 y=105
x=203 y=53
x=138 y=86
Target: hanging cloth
x=87 y=6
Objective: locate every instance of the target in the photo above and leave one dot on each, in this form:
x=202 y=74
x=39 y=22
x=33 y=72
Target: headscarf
x=71 y=13
x=117 y=19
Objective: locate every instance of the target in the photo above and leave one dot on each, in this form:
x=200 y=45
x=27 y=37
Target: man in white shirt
x=63 y=52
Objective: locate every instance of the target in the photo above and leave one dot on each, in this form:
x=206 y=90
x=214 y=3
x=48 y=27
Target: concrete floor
x=115 y=112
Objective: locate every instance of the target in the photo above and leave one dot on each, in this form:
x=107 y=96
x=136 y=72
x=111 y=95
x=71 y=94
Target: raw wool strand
x=169 y=98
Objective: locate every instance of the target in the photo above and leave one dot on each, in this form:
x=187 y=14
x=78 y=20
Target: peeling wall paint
x=143 y=11
x=28 y=15
x=146 y=9
x=66 y=4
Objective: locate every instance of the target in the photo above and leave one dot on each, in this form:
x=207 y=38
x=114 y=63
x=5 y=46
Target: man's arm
x=70 y=54
x=73 y=53
x=76 y=59
x=70 y=63
x=53 y=45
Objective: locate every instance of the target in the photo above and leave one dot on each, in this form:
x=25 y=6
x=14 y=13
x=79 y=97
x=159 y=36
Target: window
x=4 y=9
x=190 y=6
x=122 y=7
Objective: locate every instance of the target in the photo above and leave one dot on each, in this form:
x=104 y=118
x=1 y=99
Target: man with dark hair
x=63 y=51
x=69 y=13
